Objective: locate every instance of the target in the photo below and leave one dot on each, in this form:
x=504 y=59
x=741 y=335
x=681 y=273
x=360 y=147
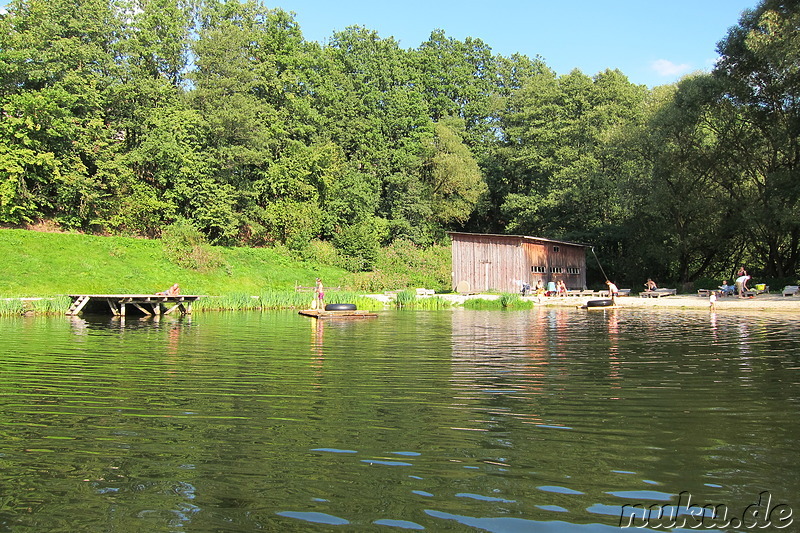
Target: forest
x=126 y=117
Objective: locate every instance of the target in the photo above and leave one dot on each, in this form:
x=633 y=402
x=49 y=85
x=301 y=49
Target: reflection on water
x=543 y=420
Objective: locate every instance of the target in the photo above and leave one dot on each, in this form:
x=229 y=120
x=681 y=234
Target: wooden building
x=485 y=262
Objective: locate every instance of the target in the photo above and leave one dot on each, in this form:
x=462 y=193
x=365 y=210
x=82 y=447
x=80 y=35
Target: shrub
x=378 y=281
x=185 y=246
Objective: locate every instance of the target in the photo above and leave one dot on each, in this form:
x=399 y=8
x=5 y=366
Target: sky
x=653 y=42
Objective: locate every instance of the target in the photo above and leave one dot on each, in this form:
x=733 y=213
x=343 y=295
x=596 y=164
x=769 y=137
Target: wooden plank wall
x=494 y=262
x=487 y=262
x=543 y=254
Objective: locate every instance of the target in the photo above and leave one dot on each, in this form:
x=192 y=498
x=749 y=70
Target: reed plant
x=11 y=307
x=228 y=302
x=405 y=298
x=39 y=306
x=409 y=300
x=432 y=303
x=509 y=300
x=505 y=301
x=273 y=300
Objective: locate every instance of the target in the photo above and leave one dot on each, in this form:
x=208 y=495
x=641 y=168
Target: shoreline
x=762 y=302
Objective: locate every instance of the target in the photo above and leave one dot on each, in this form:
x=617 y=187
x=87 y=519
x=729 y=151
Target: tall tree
x=254 y=86
x=685 y=225
x=384 y=127
x=459 y=79
x=56 y=146
x=561 y=178
x=762 y=82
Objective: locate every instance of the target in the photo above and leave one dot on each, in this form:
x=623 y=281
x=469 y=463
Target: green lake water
x=547 y=420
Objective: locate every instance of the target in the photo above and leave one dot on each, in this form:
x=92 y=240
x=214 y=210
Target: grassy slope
x=49 y=264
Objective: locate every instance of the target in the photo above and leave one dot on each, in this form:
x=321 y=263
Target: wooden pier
x=317 y=313
x=148 y=304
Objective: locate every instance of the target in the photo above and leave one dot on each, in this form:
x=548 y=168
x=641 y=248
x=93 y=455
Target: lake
x=550 y=420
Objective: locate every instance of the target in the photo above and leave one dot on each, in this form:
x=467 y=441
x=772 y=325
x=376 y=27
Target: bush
x=427 y=267
x=378 y=281
x=185 y=246
x=358 y=243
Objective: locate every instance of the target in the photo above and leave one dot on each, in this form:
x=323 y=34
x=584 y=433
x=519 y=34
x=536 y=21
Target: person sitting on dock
x=172 y=291
x=650 y=285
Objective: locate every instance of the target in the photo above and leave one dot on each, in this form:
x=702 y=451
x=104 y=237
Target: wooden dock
x=318 y=313
x=116 y=304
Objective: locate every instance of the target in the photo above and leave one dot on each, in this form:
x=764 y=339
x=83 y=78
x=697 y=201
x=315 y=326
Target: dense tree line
x=125 y=116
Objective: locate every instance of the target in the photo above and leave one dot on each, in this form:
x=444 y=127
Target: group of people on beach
x=739 y=287
x=554 y=288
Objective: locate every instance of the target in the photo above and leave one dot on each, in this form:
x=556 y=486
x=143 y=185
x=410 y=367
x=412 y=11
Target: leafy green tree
x=452 y=176
x=762 y=83
x=56 y=67
x=383 y=126
x=686 y=226
x=252 y=88
x=458 y=79
x=562 y=177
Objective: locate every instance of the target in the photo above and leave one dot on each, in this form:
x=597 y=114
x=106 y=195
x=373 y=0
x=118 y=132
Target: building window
x=555 y=249
x=573 y=270
x=556 y=270
x=538 y=269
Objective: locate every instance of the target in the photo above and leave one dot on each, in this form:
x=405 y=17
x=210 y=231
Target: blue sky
x=652 y=42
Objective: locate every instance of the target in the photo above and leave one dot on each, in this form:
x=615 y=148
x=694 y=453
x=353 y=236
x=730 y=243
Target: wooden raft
x=317 y=313
x=149 y=304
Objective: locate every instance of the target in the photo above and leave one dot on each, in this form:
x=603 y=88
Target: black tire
x=340 y=307
x=606 y=302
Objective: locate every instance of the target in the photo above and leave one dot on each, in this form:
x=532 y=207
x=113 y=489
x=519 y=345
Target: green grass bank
x=37 y=264
x=46 y=267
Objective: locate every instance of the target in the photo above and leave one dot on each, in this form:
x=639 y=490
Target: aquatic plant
x=11 y=307
x=505 y=301
x=509 y=300
x=272 y=300
x=405 y=298
x=41 y=306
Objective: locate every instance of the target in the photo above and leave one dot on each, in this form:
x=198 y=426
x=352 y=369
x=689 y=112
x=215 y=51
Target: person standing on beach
x=741 y=284
x=712 y=300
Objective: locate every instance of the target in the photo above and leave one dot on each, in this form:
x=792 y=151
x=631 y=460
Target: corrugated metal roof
x=519 y=237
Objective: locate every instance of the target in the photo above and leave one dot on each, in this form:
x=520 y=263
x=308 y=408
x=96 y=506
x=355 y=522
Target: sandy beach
x=762 y=302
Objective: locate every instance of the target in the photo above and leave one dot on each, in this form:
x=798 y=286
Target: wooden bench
x=791 y=290
x=756 y=292
x=658 y=293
